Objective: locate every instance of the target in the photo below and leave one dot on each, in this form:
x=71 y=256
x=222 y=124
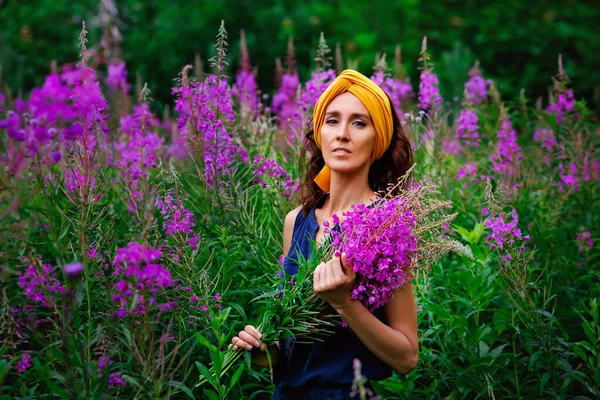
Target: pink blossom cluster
x=138 y=151
x=117 y=78
x=25 y=362
x=564 y=104
x=503 y=232
x=137 y=267
x=468 y=170
x=429 y=93
x=548 y=139
x=467 y=131
x=178 y=220
x=476 y=90
x=284 y=101
x=379 y=244
x=245 y=91
x=116 y=380
x=38 y=281
x=508 y=155
x=213 y=106
x=269 y=167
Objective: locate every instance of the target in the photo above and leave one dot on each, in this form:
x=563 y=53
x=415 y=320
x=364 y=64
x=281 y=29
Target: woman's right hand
x=247 y=339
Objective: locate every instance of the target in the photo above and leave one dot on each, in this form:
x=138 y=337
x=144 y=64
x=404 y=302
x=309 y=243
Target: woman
x=359 y=148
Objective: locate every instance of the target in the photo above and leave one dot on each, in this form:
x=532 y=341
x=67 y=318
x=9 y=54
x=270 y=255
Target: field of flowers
x=133 y=244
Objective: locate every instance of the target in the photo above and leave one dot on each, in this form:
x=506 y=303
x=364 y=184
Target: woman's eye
x=331 y=121
x=360 y=123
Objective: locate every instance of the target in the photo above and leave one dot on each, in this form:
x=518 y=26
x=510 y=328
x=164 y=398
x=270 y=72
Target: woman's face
x=347 y=134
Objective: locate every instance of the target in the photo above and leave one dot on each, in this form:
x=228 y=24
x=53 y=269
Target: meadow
x=133 y=244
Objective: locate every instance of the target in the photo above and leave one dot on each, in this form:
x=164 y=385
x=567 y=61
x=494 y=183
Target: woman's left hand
x=333 y=281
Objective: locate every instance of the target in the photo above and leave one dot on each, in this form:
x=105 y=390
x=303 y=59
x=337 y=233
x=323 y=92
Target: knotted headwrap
x=374 y=100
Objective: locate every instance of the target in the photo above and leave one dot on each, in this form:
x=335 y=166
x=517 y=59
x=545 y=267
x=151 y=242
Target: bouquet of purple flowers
x=384 y=242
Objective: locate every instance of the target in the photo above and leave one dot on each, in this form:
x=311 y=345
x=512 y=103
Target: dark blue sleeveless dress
x=321 y=370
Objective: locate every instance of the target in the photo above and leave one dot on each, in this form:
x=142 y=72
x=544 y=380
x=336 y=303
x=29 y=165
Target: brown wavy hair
x=384 y=171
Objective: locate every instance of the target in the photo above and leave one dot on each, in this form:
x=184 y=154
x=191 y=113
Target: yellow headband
x=375 y=101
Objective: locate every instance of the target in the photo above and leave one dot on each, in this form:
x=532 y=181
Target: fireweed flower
x=469 y=170
x=569 y=179
x=38 y=279
x=116 y=380
x=467 y=131
x=476 y=90
x=178 y=220
x=117 y=78
x=215 y=106
x=503 y=232
x=138 y=151
x=584 y=241
x=564 y=104
x=268 y=167
x=429 y=93
x=284 y=101
x=379 y=244
x=25 y=362
x=140 y=272
x=508 y=155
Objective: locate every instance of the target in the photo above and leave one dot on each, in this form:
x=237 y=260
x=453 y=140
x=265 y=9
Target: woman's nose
x=342 y=132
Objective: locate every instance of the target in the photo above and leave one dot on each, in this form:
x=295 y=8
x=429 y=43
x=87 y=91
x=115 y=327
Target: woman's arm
x=397 y=343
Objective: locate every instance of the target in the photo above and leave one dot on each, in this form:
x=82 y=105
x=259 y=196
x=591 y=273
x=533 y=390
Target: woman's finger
x=236 y=343
x=338 y=272
x=330 y=276
x=249 y=339
x=253 y=331
x=317 y=278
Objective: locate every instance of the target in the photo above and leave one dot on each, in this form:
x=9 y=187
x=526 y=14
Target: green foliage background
x=517 y=42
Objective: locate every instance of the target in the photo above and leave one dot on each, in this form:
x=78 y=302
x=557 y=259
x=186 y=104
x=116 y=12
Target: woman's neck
x=345 y=192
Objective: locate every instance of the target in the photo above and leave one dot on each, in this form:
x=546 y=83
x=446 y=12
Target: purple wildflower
x=284 y=101
x=178 y=220
x=379 y=245
x=37 y=280
x=25 y=362
x=508 y=155
x=73 y=271
x=117 y=78
x=476 y=90
x=503 y=232
x=429 y=93
x=467 y=131
x=137 y=265
x=570 y=179
x=469 y=170
x=269 y=167
x=564 y=104
x=116 y=380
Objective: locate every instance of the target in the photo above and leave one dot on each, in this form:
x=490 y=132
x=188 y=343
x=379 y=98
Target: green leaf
x=182 y=387
x=211 y=394
x=205 y=373
x=217 y=360
x=543 y=382
x=483 y=349
x=204 y=342
x=236 y=376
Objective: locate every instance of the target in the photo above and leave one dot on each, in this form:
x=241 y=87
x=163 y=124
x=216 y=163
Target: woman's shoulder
x=290 y=218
